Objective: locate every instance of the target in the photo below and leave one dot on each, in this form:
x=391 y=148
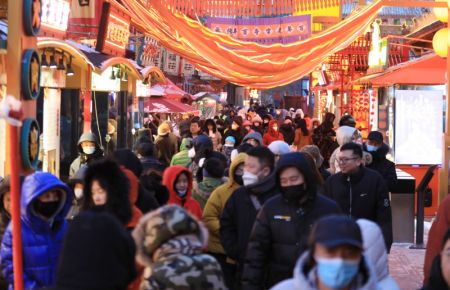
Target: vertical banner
x=171 y=63
x=51 y=130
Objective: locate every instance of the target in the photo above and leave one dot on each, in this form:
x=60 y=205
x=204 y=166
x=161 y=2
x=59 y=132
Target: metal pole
x=420 y=219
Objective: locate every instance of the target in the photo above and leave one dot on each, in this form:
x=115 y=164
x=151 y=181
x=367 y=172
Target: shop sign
x=104 y=83
x=378 y=51
x=147 y=51
x=53 y=78
x=254 y=94
x=114 y=31
x=55 y=17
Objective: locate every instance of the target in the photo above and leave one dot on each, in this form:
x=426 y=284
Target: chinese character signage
x=264 y=30
x=172 y=63
x=114 y=31
x=55 y=17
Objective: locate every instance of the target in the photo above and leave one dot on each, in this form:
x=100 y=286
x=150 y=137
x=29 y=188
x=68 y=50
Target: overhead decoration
x=241 y=62
x=264 y=30
x=248 y=8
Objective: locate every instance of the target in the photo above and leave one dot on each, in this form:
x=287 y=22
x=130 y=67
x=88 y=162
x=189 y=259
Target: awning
x=427 y=70
x=171 y=91
x=164 y=105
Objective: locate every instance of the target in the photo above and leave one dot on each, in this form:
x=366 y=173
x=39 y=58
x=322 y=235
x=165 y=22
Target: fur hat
x=314 y=151
x=163 y=129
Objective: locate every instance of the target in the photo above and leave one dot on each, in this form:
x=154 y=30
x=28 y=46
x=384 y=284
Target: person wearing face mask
x=378 y=149
x=178 y=181
x=236 y=130
x=361 y=192
x=77 y=184
x=239 y=213
x=273 y=133
x=278 y=236
x=89 y=150
x=334 y=259
x=257 y=124
x=344 y=135
x=212 y=212
x=45 y=202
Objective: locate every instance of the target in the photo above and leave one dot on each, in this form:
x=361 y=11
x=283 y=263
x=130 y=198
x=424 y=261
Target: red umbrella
x=164 y=105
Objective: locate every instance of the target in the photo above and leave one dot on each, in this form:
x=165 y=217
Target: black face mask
x=238 y=179
x=46 y=209
x=294 y=193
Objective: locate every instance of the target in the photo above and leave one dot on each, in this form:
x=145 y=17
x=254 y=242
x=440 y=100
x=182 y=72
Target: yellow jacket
x=215 y=204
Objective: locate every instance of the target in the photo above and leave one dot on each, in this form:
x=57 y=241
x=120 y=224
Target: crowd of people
x=252 y=199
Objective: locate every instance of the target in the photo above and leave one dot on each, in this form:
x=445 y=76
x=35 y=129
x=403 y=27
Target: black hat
x=347 y=120
x=375 y=136
x=336 y=230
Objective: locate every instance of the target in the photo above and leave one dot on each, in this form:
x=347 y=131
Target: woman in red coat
x=273 y=133
x=178 y=181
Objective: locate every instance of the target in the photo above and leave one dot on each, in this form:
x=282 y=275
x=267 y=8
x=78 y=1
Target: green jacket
x=182 y=157
x=203 y=190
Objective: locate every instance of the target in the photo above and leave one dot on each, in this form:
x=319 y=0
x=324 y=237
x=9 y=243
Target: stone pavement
x=406 y=265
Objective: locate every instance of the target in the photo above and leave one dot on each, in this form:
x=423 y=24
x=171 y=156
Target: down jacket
x=363 y=195
x=280 y=234
x=375 y=252
x=41 y=239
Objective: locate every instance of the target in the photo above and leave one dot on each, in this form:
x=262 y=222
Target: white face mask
x=249 y=178
x=89 y=150
x=78 y=193
x=191 y=153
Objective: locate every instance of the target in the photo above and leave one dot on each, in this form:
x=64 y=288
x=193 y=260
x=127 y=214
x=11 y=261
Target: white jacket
x=375 y=252
x=302 y=282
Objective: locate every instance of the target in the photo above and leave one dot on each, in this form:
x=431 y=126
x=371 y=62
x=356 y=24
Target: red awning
x=164 y=105
x=427 y=70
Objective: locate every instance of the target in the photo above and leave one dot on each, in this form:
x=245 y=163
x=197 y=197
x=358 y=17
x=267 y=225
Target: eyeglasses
x=346 y=160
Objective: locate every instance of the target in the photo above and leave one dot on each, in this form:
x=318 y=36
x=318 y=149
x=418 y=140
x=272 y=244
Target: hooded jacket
x=288 y=132
x=182 y=157
x=384 y=166
x=170 y=176
x=100 y=239
x=344 y=135
x=271 y=134
x=84 y=158
x=216 y=203
x=170 y=244
x=281 y=229
x=253 y=135
x=109 y=173
x=375 y=252
x=363 y=195
x=41 y=239
x=307 y=281
x=239 y=215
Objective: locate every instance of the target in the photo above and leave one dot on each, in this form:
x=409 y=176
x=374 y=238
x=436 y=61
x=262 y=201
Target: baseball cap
x=336 y=230
x=375 y=136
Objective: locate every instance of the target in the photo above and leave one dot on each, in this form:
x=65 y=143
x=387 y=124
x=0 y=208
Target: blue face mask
x=371 y=148
x=336 y=273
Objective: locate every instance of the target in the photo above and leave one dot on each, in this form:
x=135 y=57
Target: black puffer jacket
x=363 y=195
x=239 y=215
x=383 y=166
x=281 y=230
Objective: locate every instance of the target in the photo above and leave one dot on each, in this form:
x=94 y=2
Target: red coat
x=188 y=203
x=437 y=231
x=271 y=134
x=134 y=191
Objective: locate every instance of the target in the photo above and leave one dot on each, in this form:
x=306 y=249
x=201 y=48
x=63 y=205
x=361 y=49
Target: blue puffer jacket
x=41 y=239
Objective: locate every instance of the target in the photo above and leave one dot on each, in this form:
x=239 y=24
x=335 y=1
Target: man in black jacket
x=281 y=229
x=378 y=149
x=361 y=192
x=240 y=211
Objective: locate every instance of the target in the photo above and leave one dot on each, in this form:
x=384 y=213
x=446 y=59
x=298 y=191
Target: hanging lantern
x=441 y=13
x=440 y=42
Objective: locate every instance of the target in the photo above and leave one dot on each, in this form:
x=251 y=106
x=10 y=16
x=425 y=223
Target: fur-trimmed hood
x=111 y=177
